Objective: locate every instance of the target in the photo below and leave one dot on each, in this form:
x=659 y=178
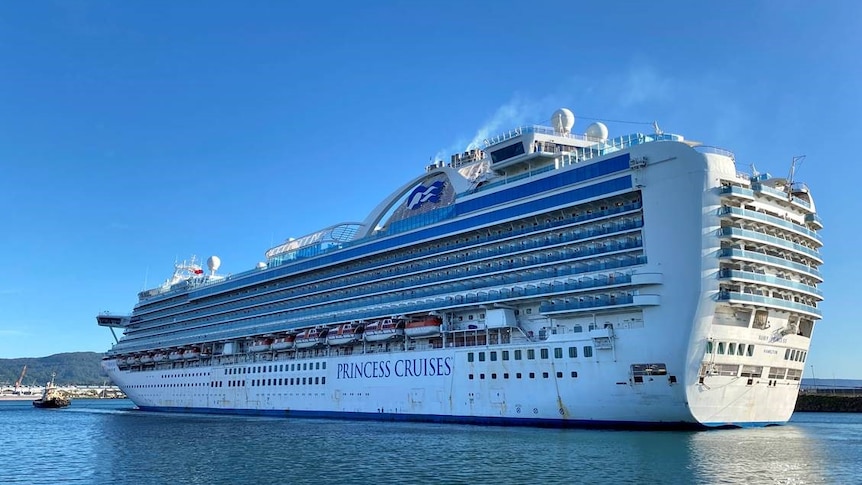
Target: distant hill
x=78 y=368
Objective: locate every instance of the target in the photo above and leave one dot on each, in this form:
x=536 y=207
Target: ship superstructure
x=548 y=278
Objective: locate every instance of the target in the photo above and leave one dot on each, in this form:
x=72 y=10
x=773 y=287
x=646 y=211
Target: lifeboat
x=282 y=343
x=159 y=357
x=133 y=360
x=310 y=338
x=344 y=334
x=146 y=359
x=175 y=355
x=385 y=329
x=423 y=327
x=193 y=353
x=261 y=345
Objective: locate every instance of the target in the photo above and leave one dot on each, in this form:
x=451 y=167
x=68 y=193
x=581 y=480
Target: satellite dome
x=597 y=130
x=213 y=262
x=261 y=265
x=563 y=120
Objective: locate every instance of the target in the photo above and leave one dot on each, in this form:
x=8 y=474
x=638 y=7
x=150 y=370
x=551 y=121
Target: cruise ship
x=543 y=278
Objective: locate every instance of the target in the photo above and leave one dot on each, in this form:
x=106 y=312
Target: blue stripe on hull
x=438 y=418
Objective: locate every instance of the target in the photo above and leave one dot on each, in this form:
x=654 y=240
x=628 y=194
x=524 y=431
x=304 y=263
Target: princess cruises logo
x=422 y=194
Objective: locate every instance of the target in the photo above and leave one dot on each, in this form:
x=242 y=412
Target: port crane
x=20 y=380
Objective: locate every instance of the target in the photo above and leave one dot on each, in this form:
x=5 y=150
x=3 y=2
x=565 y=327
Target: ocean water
x=109 y=441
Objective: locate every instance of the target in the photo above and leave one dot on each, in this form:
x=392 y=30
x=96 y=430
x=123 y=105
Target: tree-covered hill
x=78 y=368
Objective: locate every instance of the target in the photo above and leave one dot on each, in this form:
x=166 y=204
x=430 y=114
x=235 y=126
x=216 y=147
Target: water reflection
x=109 y=443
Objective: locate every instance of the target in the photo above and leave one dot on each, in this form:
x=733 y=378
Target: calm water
x=111 y=442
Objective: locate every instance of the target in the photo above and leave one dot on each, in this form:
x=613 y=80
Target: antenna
x=656 y=128
x=794 y=165
x=754 y=172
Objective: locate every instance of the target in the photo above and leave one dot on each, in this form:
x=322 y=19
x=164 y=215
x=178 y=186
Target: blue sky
x=136 y=133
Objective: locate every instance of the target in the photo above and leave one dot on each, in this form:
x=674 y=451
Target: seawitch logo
x=423 y=194
x=375 y=369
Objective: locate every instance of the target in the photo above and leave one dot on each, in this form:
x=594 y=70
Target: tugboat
x=52 y=397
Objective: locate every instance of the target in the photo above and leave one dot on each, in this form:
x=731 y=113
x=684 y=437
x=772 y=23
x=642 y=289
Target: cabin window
x=481 y=376
x=721 y=348
x=303 y=381
x=505 y=355
x=731 y=348
x=316 y=380
x=531 y=354
x=470 y=357
x=544 y=375
x=543 y=353
x=481 y=356
x=588 y=351
x=740 y=350
x=574 y=374
x=493 y=376
x=470 y=377
x=558 y=352
x=317 y=365
x=517 y=355
x=750 y=350
x=518 y=375
x=493 y=356
x=573 y=352
x=532 y=375
x=786 y=354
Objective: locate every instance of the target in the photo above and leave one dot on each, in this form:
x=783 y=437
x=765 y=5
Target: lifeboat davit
x=385 y=329
x=282 y=343
x=261 y=345
x=310 y=338
x=344 y=334
x=423 y=327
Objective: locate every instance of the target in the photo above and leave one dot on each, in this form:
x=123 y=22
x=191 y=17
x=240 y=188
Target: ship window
x=543 y=353
x=740 y=350
x=531 y=354
x=574 y=374
x=481 y=356
x=305 y=366
x=493 y=356
x=588 y=351
x=529 y=311
x=324 y=365
x=573 y=352
x=731 y=348
x=786 y=354
x=544 y=375
x=303 y=381
x=558 y=352
x=493 y=376
x=470 y=316
x=750 y=350
x=481 y=376
x=317 y=365
x=709 y=348
x=505 y=355
x=323 y=380
x=317 y=380
x=532 y=375
x=280 y=382
x=470 y=377
x=517 y=355
x=577 y=329
x=470 y=357
x=721 y=348
x=518 y=375
x=505 y=375
x=559 y=375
